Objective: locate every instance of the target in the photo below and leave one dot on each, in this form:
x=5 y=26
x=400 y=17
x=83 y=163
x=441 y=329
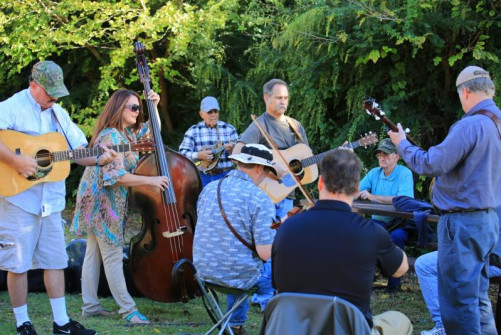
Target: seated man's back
x=329 y=250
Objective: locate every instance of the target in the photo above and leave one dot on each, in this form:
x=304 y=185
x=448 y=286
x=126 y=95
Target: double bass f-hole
x=161 y=254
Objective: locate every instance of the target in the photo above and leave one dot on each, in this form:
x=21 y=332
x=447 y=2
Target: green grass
x=191 y=318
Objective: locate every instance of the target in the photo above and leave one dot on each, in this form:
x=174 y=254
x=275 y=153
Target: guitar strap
x=294 y=128
x=62 y=130
x=252 y=246
x=492 y=116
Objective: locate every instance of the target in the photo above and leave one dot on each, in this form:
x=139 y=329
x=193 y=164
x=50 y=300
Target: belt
x=215 y=171
x=463 y=211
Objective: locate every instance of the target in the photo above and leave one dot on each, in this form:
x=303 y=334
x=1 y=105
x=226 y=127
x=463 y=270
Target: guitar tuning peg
x=377 y=118
x=367 y=111
x=382 y=113
x=375 y=104
x=407 y=130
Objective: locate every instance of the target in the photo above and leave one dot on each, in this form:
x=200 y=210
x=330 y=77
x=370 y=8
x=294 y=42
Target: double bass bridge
x=179 y=231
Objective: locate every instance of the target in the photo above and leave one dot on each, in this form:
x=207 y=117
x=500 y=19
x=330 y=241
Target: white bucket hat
x=255 y=154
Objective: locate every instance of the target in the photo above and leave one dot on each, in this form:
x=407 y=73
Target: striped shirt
x=200 y=135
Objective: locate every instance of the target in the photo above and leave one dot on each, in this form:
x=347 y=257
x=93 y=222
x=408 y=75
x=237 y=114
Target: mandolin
x=303 y=164
x=217 y=151
x=51 y=152
x=372 y=108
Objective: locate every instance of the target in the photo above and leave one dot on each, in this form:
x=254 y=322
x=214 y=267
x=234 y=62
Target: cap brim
x=386 y=151
x=58 y=92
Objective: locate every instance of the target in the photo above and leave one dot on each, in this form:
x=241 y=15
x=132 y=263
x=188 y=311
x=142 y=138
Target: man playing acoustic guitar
x=209 y=142
x=31 y=220
x=284 y=130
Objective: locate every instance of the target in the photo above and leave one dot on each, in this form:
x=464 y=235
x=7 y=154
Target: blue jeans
x=465 y=240
x=399 y=236
x=426 y=272
x=206 y=178
x=264 y=289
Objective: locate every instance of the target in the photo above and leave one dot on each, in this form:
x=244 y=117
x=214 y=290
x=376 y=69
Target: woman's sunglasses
x=134 y=108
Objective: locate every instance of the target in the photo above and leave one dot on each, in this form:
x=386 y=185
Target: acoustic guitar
x=52 y=155
x=304 y=165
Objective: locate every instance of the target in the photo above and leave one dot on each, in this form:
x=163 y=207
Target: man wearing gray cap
x=210 y=140
x=381 y=185
x=466 y=191
x=31 y=220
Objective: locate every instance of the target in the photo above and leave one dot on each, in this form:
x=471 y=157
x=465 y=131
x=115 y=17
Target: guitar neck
x=58 y=156
x=318 y=158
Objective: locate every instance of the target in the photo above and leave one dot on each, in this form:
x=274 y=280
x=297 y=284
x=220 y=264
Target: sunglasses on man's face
x=134 y=108
x=213 y=111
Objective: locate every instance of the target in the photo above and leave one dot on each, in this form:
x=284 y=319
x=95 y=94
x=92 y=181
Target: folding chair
x=301 y=313
x=212 y=306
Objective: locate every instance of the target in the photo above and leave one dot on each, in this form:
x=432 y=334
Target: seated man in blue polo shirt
x=384 y=183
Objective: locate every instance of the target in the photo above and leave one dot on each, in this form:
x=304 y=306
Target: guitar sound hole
x=296 y=167
x=43 y=158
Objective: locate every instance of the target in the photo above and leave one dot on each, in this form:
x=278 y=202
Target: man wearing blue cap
x=31 y=220
x=209 y=140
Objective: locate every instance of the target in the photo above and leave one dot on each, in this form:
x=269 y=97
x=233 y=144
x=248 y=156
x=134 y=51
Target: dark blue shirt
x=466 y=163
x=330 y=250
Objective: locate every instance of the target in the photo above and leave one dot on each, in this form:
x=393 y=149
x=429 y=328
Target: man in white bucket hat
x=217 y=251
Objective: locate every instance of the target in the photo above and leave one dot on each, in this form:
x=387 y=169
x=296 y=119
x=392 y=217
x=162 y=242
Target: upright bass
x=161 y=254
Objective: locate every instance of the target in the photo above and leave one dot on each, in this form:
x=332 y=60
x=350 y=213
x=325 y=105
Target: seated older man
x=381 y=185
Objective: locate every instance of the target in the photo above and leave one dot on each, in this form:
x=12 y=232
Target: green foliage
x=334 y=54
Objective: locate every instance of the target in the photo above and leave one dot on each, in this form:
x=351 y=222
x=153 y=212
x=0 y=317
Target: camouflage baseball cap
x=386 y=146
x=50 y=76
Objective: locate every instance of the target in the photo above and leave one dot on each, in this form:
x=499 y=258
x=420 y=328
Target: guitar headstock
x=368 y=139
x=143 y=146
x=372 y=108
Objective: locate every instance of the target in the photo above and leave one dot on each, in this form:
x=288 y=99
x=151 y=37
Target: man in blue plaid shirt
x=201 y=139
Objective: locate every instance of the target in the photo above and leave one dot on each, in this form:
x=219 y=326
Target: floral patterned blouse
x=101 y=205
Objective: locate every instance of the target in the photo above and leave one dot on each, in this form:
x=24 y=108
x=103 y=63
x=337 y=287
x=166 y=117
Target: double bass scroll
x=161 y=254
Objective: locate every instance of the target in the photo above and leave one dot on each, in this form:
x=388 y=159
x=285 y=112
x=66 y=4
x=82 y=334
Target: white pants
x=98 y=252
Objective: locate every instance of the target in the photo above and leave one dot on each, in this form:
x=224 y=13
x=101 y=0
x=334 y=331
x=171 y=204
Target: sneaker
x=435 y=331
x=73 y=328
x=26 y=329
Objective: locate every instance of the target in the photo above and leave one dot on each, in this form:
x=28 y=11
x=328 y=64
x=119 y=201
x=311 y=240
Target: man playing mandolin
x=209 y=142
x=32 y=219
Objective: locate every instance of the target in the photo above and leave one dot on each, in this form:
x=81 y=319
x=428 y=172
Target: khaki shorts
x=39 y=242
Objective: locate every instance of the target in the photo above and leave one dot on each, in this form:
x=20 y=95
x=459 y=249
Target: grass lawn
x=191 y=318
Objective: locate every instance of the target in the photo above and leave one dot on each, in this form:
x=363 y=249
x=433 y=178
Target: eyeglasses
x=213 y=111
x=134 y=108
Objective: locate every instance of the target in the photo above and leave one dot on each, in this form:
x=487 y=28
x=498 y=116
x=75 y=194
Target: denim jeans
x=264 y=289
x=399 y=236
x=465 y=240
x=206 y=178
x=426 y=272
